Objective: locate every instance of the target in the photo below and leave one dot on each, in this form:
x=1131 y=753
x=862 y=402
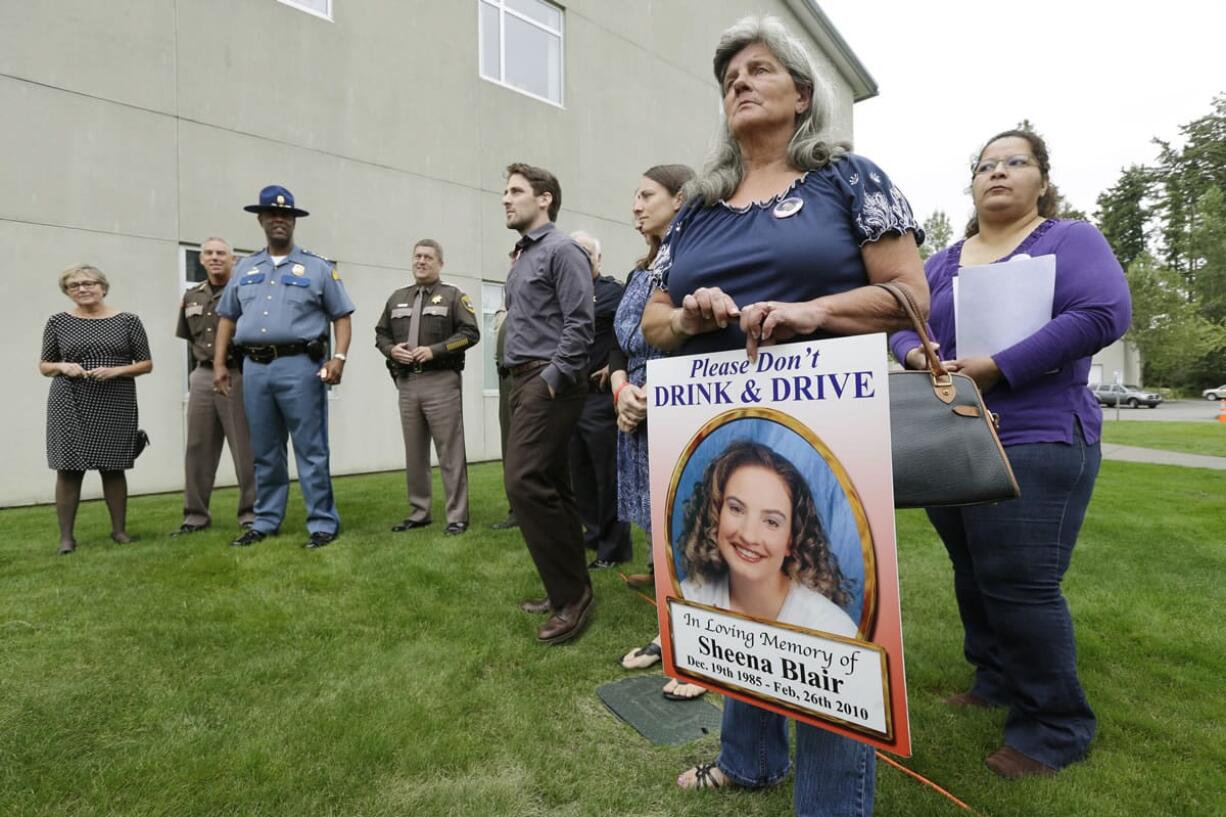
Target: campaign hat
x=276 y=198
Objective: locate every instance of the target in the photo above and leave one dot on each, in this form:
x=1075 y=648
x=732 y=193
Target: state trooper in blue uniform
x=277 y=308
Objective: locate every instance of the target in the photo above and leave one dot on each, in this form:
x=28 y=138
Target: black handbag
x=140 y=443
x=944 y=447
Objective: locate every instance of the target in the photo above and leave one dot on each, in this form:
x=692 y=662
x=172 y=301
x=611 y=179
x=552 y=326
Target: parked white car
x=1215 y=394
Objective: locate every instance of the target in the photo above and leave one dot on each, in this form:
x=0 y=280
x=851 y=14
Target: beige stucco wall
x=1121 y=357
x=133 y=133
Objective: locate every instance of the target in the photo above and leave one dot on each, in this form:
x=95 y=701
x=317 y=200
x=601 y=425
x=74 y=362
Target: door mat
x=638 y=702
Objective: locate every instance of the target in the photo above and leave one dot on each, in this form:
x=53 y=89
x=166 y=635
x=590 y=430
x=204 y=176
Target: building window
x=491 y=302
x=521 y=46
x=320 y=8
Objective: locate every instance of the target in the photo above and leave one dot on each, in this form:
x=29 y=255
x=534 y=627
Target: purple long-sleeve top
x=1043 y=391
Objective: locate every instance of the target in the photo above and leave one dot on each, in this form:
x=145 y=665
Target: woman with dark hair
x=92 y=354
x=753 y=542
x=656 y=201
x=1010 y=557
x=781 y=238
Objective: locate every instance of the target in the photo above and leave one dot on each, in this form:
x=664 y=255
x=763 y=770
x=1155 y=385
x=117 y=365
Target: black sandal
x=704 y=777
x=651 y=650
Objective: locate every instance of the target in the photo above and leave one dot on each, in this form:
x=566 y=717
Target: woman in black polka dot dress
x=92 y=353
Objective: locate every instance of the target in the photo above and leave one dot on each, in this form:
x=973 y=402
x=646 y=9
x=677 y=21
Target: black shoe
x=185 y=529
x=602 y=564
x=455 y=528
x=319 y=539
x=249 y=538
x=506 y=524
x=410 y=524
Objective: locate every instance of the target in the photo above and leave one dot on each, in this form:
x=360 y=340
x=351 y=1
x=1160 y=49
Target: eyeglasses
x=81 y=285
x=1012 y=163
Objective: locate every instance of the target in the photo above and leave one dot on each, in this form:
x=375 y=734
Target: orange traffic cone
x=1221 y=411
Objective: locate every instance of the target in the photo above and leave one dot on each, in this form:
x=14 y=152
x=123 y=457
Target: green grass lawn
x=391 y=674
x=1189 y=438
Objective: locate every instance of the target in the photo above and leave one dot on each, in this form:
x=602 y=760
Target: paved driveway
x=1175 y=410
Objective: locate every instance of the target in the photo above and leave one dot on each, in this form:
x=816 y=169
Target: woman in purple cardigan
x=1009 y=558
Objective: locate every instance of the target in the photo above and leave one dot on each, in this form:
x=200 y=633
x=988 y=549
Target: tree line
x=1167 y=224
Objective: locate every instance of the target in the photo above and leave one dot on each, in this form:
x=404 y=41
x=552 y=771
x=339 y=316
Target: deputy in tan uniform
x=424 y=331
x=212 y=418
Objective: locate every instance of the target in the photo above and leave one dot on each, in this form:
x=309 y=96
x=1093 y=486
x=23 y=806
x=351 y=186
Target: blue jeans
x=835 y=776
x=1009 y=559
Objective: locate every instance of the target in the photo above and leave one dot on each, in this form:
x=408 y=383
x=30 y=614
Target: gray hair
x=581 y=237
x=808 y=150
x=432 y=244
x=219 y=240
x=84 y=271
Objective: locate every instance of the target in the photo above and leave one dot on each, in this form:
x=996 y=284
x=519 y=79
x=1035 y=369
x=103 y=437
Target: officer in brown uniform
x=212 y=418
x=424 y=331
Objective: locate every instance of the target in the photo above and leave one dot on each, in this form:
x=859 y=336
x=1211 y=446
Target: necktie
x=415 y=320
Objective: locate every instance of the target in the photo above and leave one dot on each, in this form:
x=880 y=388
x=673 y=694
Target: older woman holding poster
x=1009 y=558
x=781 y=239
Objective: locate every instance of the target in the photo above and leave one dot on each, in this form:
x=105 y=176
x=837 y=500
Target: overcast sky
x=1099 y=80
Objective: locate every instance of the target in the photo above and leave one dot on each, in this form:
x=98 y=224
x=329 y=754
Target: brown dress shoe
x=641 y=581
x=568 y=622
x=1011 y=764
x=963 y=700
x=536 y=605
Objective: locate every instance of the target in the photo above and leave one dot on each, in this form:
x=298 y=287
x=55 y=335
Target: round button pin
x=788 y=207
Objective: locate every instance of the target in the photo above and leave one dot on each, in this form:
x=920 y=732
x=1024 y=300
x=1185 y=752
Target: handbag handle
x=942 y=382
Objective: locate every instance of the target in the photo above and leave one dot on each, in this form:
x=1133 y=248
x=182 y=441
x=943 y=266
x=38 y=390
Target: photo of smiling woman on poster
x=764 y=528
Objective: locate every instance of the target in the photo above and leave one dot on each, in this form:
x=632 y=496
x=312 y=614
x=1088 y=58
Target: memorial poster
x=773 y=531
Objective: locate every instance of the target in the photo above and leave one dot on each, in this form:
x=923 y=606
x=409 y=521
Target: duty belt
x=232 y=362
x=267 y=354
x=399 y=369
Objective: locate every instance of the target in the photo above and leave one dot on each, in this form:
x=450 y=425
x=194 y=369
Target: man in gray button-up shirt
x=549 y=329
x=549 y=308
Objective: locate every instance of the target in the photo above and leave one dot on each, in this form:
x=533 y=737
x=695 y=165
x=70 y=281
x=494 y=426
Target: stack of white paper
x=997 y=305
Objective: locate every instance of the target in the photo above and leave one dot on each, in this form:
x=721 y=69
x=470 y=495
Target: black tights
x=68 y=498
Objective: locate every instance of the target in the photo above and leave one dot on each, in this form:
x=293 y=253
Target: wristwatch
x=340 y=356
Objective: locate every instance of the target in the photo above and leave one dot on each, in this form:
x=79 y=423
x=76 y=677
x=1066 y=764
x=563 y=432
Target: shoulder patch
x=467 y=303
x=336 y=276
